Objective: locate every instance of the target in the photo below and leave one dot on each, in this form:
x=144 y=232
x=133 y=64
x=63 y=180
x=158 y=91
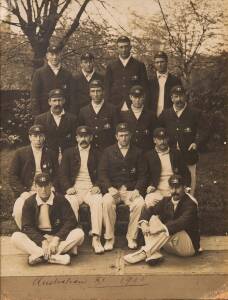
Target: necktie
x=44 y=220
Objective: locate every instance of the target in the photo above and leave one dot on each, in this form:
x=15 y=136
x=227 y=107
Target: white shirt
x=55 y=69
x=123 y=150
x=37 y=156
x=44 y=222
x=179 y=112
x=83 y=181
x=97 y=107
x=161 y=80
x=137 y=111
x=39 y=201
x=166 y=172
x=88 y=76
x=124 y=61
x=57 y=118
x=175 y=203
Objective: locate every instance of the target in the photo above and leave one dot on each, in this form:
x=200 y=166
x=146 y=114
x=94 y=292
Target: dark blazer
x=58 y=137
x=82 y=96
x=177 y=163
x=103 y=124
x=70 y=166
x=22 y=168
x=189 y=128
x=44 y=80
x=62 y=219
x=141 y=128
x=116 y=170
x=153 y=94
x=185 y=217
x=119 y=80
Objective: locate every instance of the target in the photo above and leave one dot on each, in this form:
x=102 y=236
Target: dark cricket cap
x=36 y=129
x=56 y=93
x=87 y=56
x=122 y=127
x=123 y=39
x=42 y=179
x=160 y=133
x=96 y=84
x=53 y=49
x=137 y=90
x=177 y=90
x=84 y=130
x=161 y=54
x=176 y=180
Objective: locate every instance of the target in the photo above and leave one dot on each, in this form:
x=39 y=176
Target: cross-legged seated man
x=49 y=226
x=122 y=175
x=172 y=224
x=78 y=180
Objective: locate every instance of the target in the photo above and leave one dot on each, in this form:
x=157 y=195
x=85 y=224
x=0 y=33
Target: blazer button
x=96 y=127
x=136 y=131
x=178 y=129
x=96 y=136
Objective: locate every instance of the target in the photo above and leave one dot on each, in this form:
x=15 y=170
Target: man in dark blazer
x=172 y=224
x=60 y=125
x=51 y=76
x=78 y=181
x=100 y=116
x=82 y=82
x=141 y=120
x=122 y=74
x=162 y=162
x=186 y=128
x=26 y=163
x=161 y=84
x=122 y=175
x=49 y=227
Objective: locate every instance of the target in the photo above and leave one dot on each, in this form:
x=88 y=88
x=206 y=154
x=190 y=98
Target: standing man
x=78 y=180
x=172 y=224
x=60 y=126
x=184 y=125
x=162 y=163
x=100 y=116
x=49 y=227
x=122 y=74
x=82 y=82
x=51 y=76
x=27 y=162
x=161 y=84
x=141 y=121
x=122 y=175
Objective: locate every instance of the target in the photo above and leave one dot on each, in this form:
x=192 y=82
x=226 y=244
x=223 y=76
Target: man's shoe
x=154 y=259
x=96 y=244
x=34 y=260
x=132 y=244
x=135 y=257
x=61 y=259
x=109 y=244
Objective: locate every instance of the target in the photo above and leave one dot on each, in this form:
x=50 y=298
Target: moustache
x=57 y=106
x=175 y=194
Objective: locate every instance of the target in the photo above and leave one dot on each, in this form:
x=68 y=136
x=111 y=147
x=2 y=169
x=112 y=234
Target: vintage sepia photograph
x=113 y=147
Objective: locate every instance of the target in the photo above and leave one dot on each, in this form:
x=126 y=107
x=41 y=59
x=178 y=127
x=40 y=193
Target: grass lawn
x=211 y=193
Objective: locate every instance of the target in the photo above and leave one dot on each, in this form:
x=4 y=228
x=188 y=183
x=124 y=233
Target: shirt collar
x=179 y=111
x=162 y=152
x=88 y=75
x=97 y=105
x=58 y=116
x=36 y=150
x=121 y=147
x=84 y=149
x=137 y=110
x=54 y=68
x=39 y=201
x=125 y=60
x=175 y=203
x=159 y=75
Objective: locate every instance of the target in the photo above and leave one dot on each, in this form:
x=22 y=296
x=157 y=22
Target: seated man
x=141 y=121
x=27 y=162
x=49 y=227
x=122 y=175
x=78 y=180
x=163 y=162
x=59 y=125
x=100 y=116
x=172 y=224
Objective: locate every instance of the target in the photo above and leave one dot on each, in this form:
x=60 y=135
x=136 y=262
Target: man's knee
x=17 y=236
x=78 y=233
x=108 y=201
x=139 y=203
x=153 y=198
x=96 y=200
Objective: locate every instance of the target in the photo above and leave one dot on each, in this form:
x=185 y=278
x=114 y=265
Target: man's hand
x=114 y=192
x=45 y=249
x=135 y=194
x=53 y=245
x=145 y=228
x=95 y=190
x=71 y=191
x=150 y=189
x=193 y=146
